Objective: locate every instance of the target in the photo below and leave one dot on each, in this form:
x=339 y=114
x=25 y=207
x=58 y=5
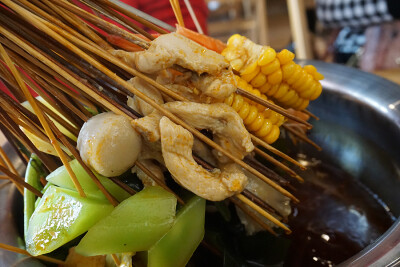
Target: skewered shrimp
x=177 y=143
x=108 y=143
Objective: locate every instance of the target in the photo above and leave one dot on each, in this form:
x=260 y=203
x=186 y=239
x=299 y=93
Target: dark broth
x=337 y=217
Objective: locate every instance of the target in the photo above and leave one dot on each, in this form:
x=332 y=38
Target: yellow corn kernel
x=281 y=120
x=307 y=84
x=267 y=56
x=303 y=78
x=244 y=110
x=308 y=93
x=285 y=56
x=229 y=99
x=288 y=69
x=291 y=102
x=265 y=129
x=259 y=80
x=237 y=102
x=273 y=90
x=241 y=83
x=253 y=112
x=263 y=89
x=237 y=64
x=231 y=55
x=275 y=77
x=257 y=123
x=310 y=69
x=304 y=105
x=317 y=92
x=271 y=67
x=273 y=135
x=288 y=96
x=250 y=76
x=275 y=117
x=267 y=113
x=318 y=76
x=235 y=40
x=295 y=76
x=298 y=103
x=282 y=90
x=249 y=68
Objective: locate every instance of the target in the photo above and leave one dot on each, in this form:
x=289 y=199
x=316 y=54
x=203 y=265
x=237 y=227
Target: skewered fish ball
x=108 y=143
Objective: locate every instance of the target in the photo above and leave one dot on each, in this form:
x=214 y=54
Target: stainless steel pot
x=359 y=130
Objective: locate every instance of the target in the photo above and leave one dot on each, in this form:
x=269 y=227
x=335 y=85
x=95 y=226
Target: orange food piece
x=204 y=40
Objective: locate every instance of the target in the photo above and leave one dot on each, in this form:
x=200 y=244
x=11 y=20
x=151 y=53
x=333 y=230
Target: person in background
x=162 y=10
x=368 y=29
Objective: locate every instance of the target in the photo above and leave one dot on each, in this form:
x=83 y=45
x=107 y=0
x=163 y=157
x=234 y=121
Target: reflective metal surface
x=359 y=130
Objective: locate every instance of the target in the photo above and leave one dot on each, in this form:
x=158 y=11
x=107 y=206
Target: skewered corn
x=274 y=74
x=262 y=122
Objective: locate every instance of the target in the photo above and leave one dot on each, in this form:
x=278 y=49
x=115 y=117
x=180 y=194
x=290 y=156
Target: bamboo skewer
x=157 y=180
x=252 y=216
x=310 y=114
x=137 y=15
x=262 y=212
x=4 y=184
x=7 y=160
x=36 y=21
x=301 y=136
x=76 y=154
x=19 y=180
x=110 y=13
x=79 y=24
x=45 y=13
x=124 y=186
x=33 y=118
x=106 y=26
x=42 y=119
x=24 y=252
x=116 y=260
x=193 y=16
x=279 y=164
x=27 y=124
x=133 y=90
x=273 y=107
x=62 y=72
x=277 y=152
x=177 y=12
x=8 y=124
x=18 y=186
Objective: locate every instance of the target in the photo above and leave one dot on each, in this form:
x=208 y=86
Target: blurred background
x=362 y=34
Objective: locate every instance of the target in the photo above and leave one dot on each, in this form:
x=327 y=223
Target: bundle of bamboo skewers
x=59 y=51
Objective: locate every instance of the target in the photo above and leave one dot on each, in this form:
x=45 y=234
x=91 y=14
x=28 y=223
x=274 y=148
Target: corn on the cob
x=262 y=122
x=274 y=74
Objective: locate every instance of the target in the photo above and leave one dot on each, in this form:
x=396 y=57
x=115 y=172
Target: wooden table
x=390 y=74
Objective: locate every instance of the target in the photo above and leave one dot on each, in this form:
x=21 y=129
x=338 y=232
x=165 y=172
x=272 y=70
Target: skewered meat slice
x=138 y=104
x=218 y=86
x=108 y=143
x=270 y=196
x=172 y=48
x=226 y=125
x=176 y=144
x=148 y=126
x=151 y=166
x=198 y=87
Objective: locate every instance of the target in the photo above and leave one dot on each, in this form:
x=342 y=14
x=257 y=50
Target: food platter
x=359 y=115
